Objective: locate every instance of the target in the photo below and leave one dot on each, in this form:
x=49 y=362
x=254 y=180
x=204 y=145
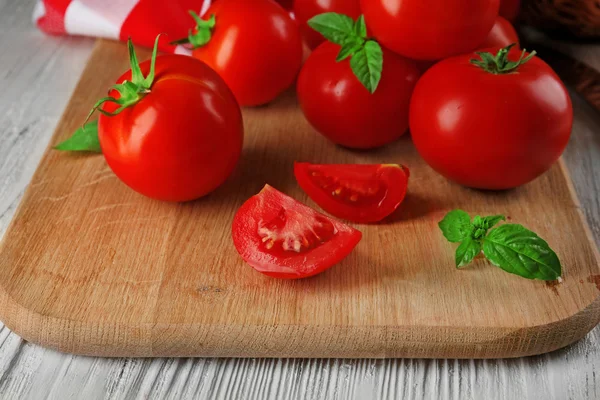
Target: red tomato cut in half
x=282 y=238
x=358 y=193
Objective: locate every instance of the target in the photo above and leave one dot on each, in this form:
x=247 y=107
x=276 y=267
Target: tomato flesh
x=282 y=238
x=358 y=193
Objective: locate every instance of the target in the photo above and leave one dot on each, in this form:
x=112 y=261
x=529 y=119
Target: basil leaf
x=467 y=251
x=84 y=139
x=456 y=226
x=488 y=222
x=349 y=49
x=367 y=64
x=360 y=27
x=519 y=251
x=336 y=28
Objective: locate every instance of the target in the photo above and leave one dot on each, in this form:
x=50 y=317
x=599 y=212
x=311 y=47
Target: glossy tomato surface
x=490 y=131
x=282 y=238
x=358 y=193
x=501 y=35
x=306 y=9
x=430 y=29
x=255 y=47
x=337 y=105
x=180 y=141
x=509 y=9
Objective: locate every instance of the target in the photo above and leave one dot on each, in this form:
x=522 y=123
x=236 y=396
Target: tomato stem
x=130 y=92
x=499 y=63
x=202 y=32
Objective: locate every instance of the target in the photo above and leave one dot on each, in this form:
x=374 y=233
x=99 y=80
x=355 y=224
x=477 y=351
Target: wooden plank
x=108 y=272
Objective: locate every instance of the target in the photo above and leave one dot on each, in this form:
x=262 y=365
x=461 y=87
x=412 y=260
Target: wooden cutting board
x=90 y=267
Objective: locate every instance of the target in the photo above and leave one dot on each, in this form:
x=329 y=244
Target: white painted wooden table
x=37 y=76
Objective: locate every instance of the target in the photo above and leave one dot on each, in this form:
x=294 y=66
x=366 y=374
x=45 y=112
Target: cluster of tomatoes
x=497 y=118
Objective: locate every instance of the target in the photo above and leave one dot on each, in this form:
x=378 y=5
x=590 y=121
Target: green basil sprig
x=511 y=247
x=366 y=55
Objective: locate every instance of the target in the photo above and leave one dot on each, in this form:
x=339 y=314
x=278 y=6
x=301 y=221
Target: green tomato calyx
x=499 y=63
x=201 y=34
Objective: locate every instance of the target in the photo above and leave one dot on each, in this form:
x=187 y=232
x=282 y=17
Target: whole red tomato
x=181 y=140
x=306 y=9
x=501 y=35
x=493 y=129
x=430 y=29
x=509 y=9
x=256 y=48
x=337 y=105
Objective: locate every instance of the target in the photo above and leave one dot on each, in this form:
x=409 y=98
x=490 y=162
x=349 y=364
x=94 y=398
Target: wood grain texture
x=90 y=267
x=28 y=371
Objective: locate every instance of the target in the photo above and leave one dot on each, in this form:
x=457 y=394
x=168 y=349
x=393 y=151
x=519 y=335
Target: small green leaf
x=136 y=73
x=84 y=139
x=349 y=49
x=456 y=226
x=467 y=251
x=203 y=32
x=499 y=63
x=149 y=80
x=489 y=222
x=367 y=64
x=336 y=28
x=520 y=251
x=360 y=27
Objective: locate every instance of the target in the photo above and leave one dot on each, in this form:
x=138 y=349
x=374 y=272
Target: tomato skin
x=306 y=9
x=287 y=4
x=501 y=35
x=182 y=140
x=426 y=30
x=509 y=9
x=256 y=48
x=388 y=183
x=490 y=131
x=268 y=205
x=337 y=105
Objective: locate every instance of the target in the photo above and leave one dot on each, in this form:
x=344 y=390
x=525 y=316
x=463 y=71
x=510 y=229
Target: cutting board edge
x=153 y=340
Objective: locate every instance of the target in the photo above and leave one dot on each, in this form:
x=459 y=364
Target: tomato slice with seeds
x=358 y=193
x=283 y=238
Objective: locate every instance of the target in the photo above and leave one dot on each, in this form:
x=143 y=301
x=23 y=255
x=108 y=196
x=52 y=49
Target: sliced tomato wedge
x=358 y=193
x=283 y=238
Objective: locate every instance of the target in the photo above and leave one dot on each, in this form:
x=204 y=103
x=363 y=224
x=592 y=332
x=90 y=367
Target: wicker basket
x=564 y=18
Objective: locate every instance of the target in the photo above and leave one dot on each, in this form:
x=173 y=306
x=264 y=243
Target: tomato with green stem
x=353 y=91
x=282 y=238
x=306 y=9
x=254 y=45
x=427 y=29
x=357 y=193
x=500 y=122
x=170 y=128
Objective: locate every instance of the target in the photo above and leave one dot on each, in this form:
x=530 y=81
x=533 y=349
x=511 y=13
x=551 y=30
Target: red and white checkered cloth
x=141 y=20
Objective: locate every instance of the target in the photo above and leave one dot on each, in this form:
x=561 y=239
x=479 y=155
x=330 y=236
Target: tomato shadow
x=360 y=269
x=257 y=167
x=414 y=206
